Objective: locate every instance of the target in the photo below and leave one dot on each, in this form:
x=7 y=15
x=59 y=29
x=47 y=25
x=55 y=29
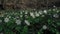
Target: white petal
x=54 y=9
x=54 y=6
x=26 y=12
x=27 y=22
x=18 y=22
x=31 y=14
x=49 y=10
x=44 y=27
x=37 y=14
x=40 y=12
x=58 y=11
x=9 y=16
x=56 y=15
x=6 y=19
x=21 y=15
x=43 y=16
x=45 y=11
x=21 y=12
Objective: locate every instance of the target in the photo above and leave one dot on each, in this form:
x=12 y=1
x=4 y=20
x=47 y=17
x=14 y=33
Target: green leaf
x=1 y=28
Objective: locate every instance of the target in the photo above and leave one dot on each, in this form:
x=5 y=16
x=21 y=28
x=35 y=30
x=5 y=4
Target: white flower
x=6 y=19
x=26 y=12
x=36 y=14
x=26 y=16
x=45 y=11
x=54 y=6
x=32 y=14
x=9 y=16
x=18 y=22
x=44 y=27
x=40 y=12
x=56 y=15
x=58 y=11
x=54 y=9
x=43 y=16
x=49 y=10
x=27 y=22
x=21 y=15
x=21 y=12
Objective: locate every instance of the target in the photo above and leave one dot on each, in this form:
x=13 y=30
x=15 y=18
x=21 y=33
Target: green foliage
x=48 y=17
